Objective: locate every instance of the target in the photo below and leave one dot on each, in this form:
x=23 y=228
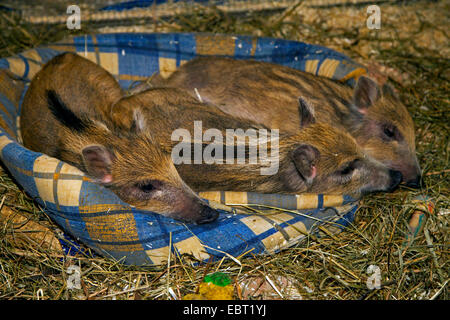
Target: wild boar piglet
x=62 y=116
x=318 y=158
x=267 y=93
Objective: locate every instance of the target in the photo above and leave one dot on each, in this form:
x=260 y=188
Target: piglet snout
x=415 y=183
x=207 y=215
x=396 y=178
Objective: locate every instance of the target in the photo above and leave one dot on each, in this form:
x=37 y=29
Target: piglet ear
x=305 y=157
x=388 y=90
x=366 y=93
x=125 y=115
x=306 y=113
x=139 y=124
x=97 y=161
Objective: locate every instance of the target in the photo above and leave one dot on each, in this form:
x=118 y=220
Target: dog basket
x=96 y=217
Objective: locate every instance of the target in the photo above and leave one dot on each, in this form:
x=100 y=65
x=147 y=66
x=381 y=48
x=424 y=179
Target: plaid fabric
x=96 y=217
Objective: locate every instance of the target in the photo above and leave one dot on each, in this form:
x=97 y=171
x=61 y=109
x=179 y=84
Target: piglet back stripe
x=62 y=113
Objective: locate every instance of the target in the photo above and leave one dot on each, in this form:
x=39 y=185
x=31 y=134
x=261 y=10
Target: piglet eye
x=347 y=170
x=350 y=167
x=389 y=131
x=148 y=186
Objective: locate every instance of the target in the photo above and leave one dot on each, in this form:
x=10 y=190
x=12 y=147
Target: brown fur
x=167 y=109
x=126 y=162
x=268 y=94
